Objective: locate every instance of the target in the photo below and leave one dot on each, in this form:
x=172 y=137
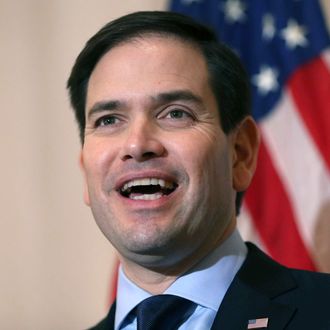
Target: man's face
x=157 y=164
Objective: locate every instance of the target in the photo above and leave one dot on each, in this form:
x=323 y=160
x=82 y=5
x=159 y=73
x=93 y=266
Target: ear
x=82 y=167
x=246 y=144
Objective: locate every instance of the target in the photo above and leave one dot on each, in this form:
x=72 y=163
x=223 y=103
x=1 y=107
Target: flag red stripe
x=269 y=206
x=310 y=89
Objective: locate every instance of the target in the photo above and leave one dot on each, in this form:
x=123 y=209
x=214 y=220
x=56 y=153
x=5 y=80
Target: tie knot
x=163 y=312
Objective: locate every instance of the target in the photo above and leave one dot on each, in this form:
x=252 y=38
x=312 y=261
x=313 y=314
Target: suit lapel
x=252 y=294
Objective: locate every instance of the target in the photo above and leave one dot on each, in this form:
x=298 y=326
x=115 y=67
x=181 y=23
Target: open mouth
x=147 y=189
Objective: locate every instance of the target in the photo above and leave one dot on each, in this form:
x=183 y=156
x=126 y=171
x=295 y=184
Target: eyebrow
x=177 y=95
x=161 y=98
x=104 y=106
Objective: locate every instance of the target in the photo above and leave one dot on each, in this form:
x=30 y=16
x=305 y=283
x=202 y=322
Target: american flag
x=284 y=45
x=258 y=323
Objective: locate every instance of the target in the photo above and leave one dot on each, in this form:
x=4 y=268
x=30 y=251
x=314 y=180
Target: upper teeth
x=148 y=182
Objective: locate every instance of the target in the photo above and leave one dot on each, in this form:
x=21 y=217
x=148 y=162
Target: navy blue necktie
x=163 y=312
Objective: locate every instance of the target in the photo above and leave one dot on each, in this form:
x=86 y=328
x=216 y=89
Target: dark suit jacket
x=290 y=299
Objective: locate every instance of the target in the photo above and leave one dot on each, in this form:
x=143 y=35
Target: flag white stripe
x=293 y=153
x=326 y=58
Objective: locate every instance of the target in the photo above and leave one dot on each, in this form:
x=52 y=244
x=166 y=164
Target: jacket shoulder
x=306 y=292
x=313 y=289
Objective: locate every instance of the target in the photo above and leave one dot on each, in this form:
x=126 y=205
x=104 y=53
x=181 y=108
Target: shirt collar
x=128 y=296
x=218 y=268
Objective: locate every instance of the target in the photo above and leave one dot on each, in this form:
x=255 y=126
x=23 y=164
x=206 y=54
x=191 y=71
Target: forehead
x=149 y=65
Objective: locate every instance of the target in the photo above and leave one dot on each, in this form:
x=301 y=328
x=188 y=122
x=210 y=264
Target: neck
x=152 y=281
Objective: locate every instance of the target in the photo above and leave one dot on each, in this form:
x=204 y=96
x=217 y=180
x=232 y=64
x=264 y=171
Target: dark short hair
x=228 y=79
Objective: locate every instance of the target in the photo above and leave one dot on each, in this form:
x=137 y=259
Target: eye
x=106 y=121
x=178 y=114
x=176 y=117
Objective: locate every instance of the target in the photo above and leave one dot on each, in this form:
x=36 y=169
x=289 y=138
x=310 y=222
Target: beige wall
x=55 y=265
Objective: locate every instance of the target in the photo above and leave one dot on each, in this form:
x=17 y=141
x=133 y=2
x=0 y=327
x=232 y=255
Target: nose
x=142 y=142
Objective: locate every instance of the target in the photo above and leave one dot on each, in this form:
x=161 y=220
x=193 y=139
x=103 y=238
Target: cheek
x=213 y=164
x=201 y=161
x=97 y=157
x=96 y=164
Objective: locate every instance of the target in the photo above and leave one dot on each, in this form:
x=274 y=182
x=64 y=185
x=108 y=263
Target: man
x=168 y=148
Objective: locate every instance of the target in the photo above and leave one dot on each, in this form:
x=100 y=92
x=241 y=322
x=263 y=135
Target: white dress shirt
x=205 y=284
